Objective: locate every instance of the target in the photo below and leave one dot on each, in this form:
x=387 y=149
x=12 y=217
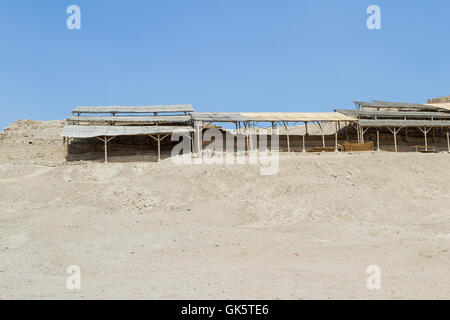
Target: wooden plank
x=175 y=118
x=76 y=131
x=395 y=114
x=404 y=123
x=135 y=109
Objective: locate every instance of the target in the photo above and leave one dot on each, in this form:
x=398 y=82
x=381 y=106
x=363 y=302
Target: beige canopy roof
x=76 y=131
x=297 y=116
x=270 y=116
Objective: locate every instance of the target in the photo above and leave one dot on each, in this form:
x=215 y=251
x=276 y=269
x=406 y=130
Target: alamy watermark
x=73 y=282
x=374 y=280
x=73 y=22
x=374 y=20
x=228 y=148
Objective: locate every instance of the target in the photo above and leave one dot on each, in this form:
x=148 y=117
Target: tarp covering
x=74 y=131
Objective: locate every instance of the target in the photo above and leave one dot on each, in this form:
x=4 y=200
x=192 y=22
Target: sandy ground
x=164 y=231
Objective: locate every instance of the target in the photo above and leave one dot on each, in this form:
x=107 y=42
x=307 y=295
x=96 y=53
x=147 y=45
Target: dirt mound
x=32 y=140
x=439 y=100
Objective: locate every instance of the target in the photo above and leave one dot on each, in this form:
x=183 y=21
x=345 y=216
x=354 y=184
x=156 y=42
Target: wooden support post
x=323 y=135
x=394 y=132
x=346 y=130
x=395 y=140
x=425 y=132
x=304 y=147
x=159 y=148
x=336 y=139
x=448 y=140
x=198 y=136
x=250 y=135
x=105 y=141
x=287 y=136
x=378 y=139
x=106 y=150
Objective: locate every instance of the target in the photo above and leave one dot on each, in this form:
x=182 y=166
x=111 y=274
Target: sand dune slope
x=160 y=231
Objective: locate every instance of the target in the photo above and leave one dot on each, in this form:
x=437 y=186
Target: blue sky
x=219 y=55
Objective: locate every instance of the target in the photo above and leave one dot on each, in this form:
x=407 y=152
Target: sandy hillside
x=163 y=231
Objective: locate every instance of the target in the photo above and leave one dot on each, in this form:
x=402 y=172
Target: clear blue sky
x=219 y=55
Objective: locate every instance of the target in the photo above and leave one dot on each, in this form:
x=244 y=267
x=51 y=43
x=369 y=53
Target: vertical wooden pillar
x=159 y=148
x=346 y=130
x=198 y=136
x=287 y=137
x=425 y=132
x=250 y=136
x=426 y=139
x=378 y=139
x=448 y=140
x=106 y=150
x=395 y=140
x=323 y=135
x=304 y=147
x=336 y=139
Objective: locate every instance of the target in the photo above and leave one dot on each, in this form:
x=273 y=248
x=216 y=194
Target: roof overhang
x=76 y=131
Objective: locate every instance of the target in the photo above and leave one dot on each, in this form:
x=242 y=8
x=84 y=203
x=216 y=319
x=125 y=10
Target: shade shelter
x=108 y=122
x=248 y=120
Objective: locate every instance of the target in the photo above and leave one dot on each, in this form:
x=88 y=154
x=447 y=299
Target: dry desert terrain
x=145 y=230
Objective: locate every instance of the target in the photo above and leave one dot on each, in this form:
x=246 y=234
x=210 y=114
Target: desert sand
x=146 y=230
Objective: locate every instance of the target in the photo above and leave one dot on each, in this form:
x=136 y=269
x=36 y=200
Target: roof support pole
x=106 y=151
x=159 y=139
x=303 y=138
x=198 y=136
x=363 y=131
x=287 y=135
x=323 y=135
x=105 y=141
x=395 y=140
x=425 y=132
x=250 y=135
x=159 y=148
x=358 y=132
x=346 y=130
x=394 y=132
x=336 y=138
x=192 y=136
x=378 y=140
x=448 y=140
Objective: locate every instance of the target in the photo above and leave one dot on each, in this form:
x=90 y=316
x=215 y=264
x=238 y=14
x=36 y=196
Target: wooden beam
x=378 y=140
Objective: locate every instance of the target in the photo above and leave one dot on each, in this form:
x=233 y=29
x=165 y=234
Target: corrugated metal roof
x=135 y=109
x=74 y=131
